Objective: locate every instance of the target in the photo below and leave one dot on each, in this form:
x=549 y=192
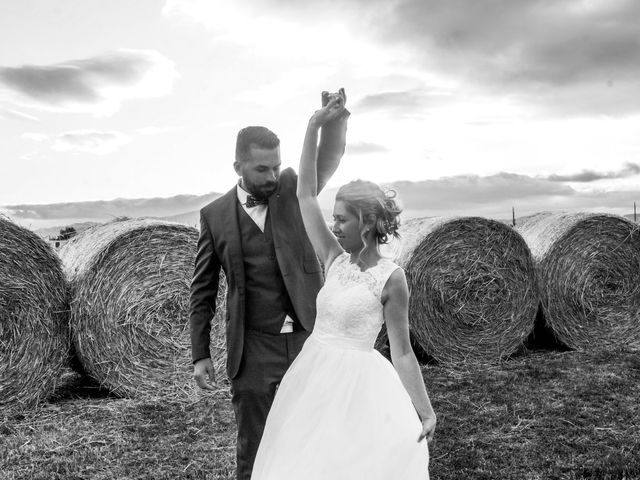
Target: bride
x=342 y=411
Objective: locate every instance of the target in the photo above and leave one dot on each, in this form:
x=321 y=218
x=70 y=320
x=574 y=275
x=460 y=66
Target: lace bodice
x=349 y=307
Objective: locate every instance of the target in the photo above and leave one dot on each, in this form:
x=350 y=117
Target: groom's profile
x=256 y=235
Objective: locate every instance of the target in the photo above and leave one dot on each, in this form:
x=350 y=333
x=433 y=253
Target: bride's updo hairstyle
x=373 y=206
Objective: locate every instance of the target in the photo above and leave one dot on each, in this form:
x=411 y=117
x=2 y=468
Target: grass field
x=543 y=415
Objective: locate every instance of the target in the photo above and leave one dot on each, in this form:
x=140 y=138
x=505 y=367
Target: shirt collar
x=242 y=193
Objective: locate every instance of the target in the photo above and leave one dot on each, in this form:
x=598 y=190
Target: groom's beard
x=263 y=191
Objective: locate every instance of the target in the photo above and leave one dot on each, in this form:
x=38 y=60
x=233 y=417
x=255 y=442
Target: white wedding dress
x=341 y=411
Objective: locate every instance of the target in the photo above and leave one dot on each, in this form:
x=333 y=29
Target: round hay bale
x=130 y=285
x=472 y=283
x=588 y=268
x=34 y=335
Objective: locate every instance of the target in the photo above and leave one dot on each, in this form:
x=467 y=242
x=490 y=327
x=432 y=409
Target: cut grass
x=548 y=416
x=544 y=415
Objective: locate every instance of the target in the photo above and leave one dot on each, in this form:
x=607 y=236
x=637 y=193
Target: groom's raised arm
x=333 y=138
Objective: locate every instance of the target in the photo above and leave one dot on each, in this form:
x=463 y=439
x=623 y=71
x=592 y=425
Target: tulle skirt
x=341 y=412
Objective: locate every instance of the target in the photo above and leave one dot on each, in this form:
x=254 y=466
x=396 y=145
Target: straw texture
x=472 y=283
x=588 y=268
x=34 y=338
x=129 y=310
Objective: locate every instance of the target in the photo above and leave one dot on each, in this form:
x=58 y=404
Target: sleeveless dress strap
x=381 y=273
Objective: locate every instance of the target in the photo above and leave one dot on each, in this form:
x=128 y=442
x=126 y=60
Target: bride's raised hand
x=428 y=428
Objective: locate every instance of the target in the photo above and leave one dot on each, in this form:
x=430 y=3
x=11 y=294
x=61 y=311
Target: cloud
x=16 y=115
x=84 y=141
x=300 y=33
x=409 y=102
x=95 y=85
x=36 y=137
x=573 y=56
x=473 y=189
x=365 y=148
x=90 y=141
x=629 y=170
x=570 y=57
x=153 y=130
x=493 y=196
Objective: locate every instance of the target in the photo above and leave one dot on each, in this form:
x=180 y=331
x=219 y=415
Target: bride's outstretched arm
x=395 y=297
x=323 y=241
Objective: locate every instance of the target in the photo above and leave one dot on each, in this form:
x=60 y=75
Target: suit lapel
x=277 y=230
x=273 y=210
x=231 y=230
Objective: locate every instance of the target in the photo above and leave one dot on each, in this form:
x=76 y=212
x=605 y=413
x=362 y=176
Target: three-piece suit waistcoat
x=267 y=301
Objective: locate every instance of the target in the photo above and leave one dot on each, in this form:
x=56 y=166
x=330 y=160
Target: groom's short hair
x=260 y=137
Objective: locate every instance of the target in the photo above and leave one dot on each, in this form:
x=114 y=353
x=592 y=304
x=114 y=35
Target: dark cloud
x=629 y=170
x=473 y=189
x=549 y=42
x=54 y=85
x=495 y=195
x=567 y=55
x=86 y=81
x=364 y=148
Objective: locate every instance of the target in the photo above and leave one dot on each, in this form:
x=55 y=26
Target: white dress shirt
x=259 y=215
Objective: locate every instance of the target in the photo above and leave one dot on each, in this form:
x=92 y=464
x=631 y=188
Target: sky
x=489 y=103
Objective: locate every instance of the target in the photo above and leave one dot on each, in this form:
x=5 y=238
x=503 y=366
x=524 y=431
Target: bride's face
x=346 y=227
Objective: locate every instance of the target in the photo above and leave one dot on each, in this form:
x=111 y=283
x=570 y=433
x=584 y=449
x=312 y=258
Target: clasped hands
x=333 y=107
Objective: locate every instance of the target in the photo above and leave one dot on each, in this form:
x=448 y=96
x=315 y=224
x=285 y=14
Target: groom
x=255 y=233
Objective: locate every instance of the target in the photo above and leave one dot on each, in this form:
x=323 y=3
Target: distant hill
x=473 y=197
x=105 y=210
x=48 y=219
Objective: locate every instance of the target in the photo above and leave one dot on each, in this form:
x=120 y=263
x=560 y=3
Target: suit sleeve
x=204 y=290
x=333 y=139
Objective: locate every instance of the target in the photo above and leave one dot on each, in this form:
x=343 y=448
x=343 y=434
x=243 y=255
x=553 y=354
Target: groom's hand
x=202 y=369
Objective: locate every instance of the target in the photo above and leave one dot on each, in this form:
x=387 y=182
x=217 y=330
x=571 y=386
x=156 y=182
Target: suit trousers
x=265 y=359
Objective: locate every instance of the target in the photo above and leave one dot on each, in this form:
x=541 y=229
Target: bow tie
x=254 y=202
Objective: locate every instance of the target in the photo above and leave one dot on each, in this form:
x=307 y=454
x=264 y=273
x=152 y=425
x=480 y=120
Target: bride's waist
x=339 y=341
